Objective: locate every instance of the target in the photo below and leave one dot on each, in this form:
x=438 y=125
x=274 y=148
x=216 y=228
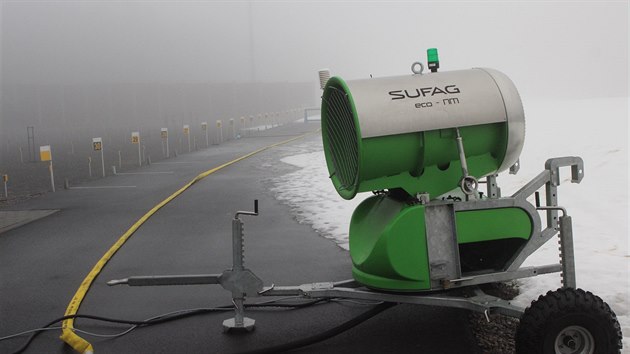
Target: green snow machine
x=423 y=144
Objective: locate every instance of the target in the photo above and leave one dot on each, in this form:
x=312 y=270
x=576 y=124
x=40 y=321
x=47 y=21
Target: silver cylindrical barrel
x=413 y=103
x=398 y=132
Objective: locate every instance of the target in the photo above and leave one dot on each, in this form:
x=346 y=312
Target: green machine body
x=390 y=239
x=397 y=136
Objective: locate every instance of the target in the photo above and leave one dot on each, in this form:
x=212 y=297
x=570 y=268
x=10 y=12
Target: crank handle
x=252 y=213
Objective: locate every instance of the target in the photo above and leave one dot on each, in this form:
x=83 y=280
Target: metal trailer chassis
x=242 y=282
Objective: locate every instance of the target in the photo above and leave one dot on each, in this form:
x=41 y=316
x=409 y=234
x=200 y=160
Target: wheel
x=568 y=321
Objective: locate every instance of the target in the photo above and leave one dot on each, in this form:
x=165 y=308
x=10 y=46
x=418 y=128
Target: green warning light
x=432 y=59
x=432 y=54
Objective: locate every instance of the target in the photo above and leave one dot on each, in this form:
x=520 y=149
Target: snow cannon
x=421 y=143
x=400 y=132
x=428 y=236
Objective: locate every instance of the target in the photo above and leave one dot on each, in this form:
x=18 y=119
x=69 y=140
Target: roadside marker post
x=219 y=132
x=45 y=154
x=204 y=127
x=97 y=145
x=5 y=180
x=164 y=135
x=135 y=139
x=187 y=133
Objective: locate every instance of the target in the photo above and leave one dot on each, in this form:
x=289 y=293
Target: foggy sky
x=550 y=49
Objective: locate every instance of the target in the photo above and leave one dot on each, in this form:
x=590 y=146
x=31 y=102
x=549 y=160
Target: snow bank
x=313 y=198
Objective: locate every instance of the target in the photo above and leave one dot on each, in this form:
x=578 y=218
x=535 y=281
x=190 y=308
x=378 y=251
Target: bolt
x=569 y=342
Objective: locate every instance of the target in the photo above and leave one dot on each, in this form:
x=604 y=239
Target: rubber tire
x=543 y=320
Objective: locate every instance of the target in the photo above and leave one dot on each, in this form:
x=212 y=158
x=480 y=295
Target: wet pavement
x=42 y=263
x=11 y=219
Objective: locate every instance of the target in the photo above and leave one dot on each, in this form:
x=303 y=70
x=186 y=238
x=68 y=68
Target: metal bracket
x=240 y=281
x=550 y=178
x=577 y=168
x=423 y=198
x=480 y=302
x=492 y=188
x=442 y=247
x=467 y=183
x=551 y=175
x=567 y=255
x=516 y=167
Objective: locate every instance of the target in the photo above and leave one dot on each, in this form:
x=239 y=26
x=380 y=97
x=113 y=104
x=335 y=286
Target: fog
x=573 y=45
x=80 y=69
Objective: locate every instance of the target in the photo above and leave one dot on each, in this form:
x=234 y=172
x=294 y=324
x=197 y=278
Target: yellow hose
x=76 y=342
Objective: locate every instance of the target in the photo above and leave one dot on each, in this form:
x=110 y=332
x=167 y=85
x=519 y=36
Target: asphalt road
x=42 y=263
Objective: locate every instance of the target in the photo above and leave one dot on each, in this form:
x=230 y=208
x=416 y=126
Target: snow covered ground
x=595 y=129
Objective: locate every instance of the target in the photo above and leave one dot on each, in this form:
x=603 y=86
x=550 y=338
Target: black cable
x=112 y=320
x=327 y=334
x=161 y=319
x=294 y=306
x=35 y=334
